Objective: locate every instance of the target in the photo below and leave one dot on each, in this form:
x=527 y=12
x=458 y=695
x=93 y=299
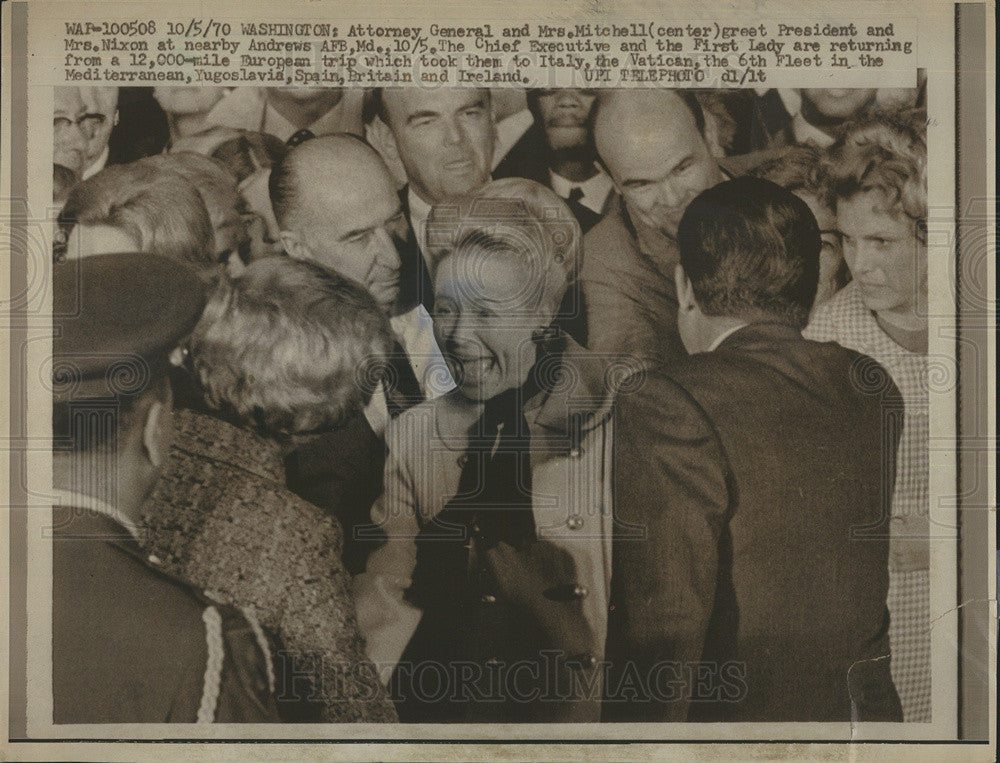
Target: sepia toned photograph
x=498 y=381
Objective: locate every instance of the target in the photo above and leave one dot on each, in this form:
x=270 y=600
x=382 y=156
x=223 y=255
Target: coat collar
x=208 y=436
x=103 y=513
x=580 y=400
x=760 y=332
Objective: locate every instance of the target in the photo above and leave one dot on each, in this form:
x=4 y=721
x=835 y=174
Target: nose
x=387 y=254
x=669 y=193
x=453 y=133
x=71 y=138
x=860 y=258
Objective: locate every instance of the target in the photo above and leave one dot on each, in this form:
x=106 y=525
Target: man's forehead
x=67 y=99
x=640 y=132
x=100 y=99
x=408 y=101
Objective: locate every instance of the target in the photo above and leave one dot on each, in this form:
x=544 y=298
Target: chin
x=878 y=300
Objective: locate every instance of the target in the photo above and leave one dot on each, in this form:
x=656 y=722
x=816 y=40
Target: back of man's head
x=751 y=251
x=161 y=213
x=328 y=166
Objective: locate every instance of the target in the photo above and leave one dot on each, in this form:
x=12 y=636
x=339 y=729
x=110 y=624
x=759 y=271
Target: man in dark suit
x=753 y=484
x=444 y=139
x=129 y=643
x=558 y=151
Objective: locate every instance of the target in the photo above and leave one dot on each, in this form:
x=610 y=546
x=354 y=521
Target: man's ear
x=294 y=246
x=713 y=136
x=384 y=141
x=153 y=441
x=685 y=291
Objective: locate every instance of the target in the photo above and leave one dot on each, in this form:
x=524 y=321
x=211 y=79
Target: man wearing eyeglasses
x=69 y=133
x=101 y=118
x=82 y=121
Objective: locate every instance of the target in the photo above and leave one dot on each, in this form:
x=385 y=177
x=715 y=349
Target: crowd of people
x=457 y=405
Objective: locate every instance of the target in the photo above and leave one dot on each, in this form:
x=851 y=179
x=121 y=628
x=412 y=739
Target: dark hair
x=797 y=168
x=281 y=188
x=751 y=250
x=249 y=152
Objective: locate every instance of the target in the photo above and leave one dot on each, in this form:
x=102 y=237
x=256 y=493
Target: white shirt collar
x=98 y=165
x=420 y=210
x=595 y=189
x=274 y=123
x=724 y=336
x=509 y=131
x=74 y=500
x=807 y=133
x=415 y=331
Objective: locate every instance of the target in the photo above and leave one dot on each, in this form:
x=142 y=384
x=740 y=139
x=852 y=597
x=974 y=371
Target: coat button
x=575 y=522
x=575 y=452
x=489 y=598
x=583 y=661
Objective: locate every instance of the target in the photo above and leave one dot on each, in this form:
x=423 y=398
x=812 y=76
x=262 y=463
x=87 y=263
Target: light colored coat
x=571 y=499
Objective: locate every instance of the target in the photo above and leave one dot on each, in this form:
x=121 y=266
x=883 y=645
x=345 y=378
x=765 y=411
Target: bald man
x=652 y=144
x=102 y=117
x=336 y=204
x=69 y=129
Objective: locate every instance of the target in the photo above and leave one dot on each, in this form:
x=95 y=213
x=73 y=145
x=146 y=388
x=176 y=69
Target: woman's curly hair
x=289 y=347
x=885 y=152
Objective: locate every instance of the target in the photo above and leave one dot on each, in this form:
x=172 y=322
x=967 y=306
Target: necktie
x=299 y=138
x=575 y=194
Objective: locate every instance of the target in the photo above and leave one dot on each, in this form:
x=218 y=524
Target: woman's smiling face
x=485 y=313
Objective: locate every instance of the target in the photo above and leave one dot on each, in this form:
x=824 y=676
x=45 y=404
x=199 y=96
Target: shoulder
x=611 y=229
x=841 y=316
x=659 y=397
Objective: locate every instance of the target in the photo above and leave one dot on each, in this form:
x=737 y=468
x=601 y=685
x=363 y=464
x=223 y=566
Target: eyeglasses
x=89 y=124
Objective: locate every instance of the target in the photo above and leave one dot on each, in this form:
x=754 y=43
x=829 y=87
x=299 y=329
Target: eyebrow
x=671 y=171
x=479 y=103
x=421 y=115
x=359 y=231
x=64 y=112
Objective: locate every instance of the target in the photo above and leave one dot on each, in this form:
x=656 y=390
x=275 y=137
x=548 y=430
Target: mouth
x=459 y=165
x=385 y=290
x=871 y=284
x=472 y=366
